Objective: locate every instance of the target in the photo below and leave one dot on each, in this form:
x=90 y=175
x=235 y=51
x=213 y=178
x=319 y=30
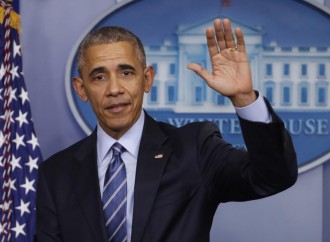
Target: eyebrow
x=103 y=69
x=97 y=70
x=126 y=67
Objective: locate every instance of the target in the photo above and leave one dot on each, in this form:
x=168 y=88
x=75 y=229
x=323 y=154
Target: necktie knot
x=117 y=149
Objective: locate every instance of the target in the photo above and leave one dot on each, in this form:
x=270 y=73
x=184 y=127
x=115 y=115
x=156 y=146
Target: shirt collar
x=130 y=140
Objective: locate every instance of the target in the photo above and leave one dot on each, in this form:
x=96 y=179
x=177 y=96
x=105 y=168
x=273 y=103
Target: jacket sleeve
x=266 y=167
x=47 y=229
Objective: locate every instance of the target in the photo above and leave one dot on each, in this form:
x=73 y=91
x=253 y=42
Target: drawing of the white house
x=291 y=77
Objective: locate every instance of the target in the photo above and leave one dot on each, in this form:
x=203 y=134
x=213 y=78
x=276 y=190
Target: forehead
x=112 y=50
x=110 y=57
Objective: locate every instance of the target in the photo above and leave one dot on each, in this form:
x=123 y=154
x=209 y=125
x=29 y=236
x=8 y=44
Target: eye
x=127 y=73
x=100 y=77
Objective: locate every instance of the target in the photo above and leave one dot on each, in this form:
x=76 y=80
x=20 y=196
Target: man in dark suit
x=175 y=177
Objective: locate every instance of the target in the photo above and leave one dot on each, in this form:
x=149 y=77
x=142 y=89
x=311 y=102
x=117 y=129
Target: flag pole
x=6 y=208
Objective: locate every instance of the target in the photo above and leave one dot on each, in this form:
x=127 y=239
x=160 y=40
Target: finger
x=203 y=73
x=211 y=43
x=240 y=40
x=230 y=41
x=220 y=34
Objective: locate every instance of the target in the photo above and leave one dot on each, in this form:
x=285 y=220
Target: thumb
x=202 y=72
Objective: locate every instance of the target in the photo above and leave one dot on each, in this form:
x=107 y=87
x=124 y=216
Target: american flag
x=19 y=148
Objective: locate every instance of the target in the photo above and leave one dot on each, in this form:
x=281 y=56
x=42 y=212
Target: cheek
x=135 y=92
x=138 y=97
x=95 y=101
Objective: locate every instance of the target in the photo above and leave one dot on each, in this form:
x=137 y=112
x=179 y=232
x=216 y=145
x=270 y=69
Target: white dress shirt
x=131 y=141
x=257 y=112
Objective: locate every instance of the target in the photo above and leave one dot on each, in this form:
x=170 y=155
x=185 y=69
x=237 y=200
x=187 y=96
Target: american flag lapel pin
x=159 y=156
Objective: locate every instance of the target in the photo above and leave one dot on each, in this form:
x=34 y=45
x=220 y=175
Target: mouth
x=117 y=107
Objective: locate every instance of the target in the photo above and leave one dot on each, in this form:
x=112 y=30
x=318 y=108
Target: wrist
x=243 y=100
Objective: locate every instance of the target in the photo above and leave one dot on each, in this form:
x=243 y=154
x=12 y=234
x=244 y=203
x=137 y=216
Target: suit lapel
x=153 y=156
x=86 y=183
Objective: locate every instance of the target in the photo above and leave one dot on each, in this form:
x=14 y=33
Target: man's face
x=114 y=81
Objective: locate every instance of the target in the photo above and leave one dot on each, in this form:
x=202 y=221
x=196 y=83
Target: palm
x=231 y=75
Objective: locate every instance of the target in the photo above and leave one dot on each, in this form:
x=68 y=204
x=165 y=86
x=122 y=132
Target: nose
x=114 y=87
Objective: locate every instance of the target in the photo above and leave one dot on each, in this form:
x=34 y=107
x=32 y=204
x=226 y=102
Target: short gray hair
x=109 y=35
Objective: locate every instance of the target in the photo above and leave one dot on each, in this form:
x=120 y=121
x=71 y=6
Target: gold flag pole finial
x=14 y=17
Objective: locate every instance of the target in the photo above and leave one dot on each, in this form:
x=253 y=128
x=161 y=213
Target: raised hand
x=231 y=74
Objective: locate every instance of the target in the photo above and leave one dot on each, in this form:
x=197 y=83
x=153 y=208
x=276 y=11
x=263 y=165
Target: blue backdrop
x=296 y=30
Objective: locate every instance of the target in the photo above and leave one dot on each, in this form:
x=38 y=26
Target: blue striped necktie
x=114 y=197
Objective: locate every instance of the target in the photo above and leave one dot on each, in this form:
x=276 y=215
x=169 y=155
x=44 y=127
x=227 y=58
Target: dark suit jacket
x=175 y=196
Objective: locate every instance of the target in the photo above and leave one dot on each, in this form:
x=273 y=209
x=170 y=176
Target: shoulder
x=189 y=129
x=195 y=130
x=66 y=157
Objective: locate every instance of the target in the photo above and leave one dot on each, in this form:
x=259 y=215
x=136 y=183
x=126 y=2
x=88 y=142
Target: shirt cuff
x=255 y=112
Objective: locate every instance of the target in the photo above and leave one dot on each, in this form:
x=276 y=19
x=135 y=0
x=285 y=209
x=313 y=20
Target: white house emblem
x=290 y=66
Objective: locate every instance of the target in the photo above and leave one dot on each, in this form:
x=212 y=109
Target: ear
x=78 y=85
x=149 y=75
